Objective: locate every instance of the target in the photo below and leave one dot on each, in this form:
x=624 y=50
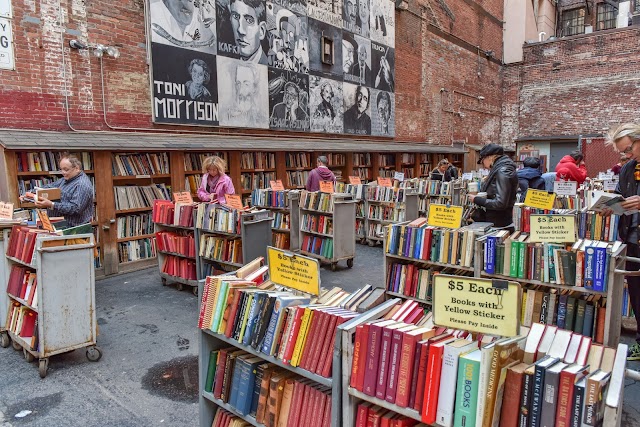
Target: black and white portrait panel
x=317 y=30
x=326 y=109
x=288 y=100
x=355 y=16
x=184 y=23
x=288 y=39
x=184 y=87
x=328 y=11
x=356 y=59
x=383 y=113
x=383 y=65
x=382 y=22
x=357 y=109
x=242 y=30
x=299 y=7
x=242 y=91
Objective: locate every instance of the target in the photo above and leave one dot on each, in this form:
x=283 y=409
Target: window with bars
x=607 y=17
x=572 y=22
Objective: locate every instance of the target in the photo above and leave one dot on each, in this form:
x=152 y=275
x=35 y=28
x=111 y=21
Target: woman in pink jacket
x=215 y=183
x=572 y=168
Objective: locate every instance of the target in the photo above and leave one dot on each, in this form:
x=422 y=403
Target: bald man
x=361 y=69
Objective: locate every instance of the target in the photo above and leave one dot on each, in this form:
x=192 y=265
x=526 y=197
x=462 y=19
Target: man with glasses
x=625 y=138
x=356 y=119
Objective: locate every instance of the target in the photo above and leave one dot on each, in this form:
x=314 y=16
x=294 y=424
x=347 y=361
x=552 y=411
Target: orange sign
x=6 y=210
x=234 y=201
x=276 y=185
x=44 y=219
x=355 y=180
x=326 y=186
x=183 y=197
x=384 y=182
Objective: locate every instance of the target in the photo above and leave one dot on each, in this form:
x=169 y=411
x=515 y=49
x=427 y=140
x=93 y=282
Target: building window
x=606 y=17
x=572 y=22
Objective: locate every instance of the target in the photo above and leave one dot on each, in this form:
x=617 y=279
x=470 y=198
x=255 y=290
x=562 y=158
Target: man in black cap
x=500 y=186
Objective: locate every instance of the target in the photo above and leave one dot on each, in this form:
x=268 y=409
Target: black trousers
x=633 y=282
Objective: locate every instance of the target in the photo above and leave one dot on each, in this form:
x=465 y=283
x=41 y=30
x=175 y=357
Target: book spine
x=357 y=355
x=466 y=393
x=525 y=401
x=537 y=396
x=373 y=354
x=394 y=362
x=385 y=352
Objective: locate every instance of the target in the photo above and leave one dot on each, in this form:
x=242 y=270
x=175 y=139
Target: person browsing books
x=441 y=172
x=320 y=173
x=500 y=186
x=529 y=176
x=572 y=168
x=215 y=183
x=626 y=140
x=76 y=194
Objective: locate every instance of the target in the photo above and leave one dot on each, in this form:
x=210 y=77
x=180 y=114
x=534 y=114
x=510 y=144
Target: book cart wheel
x=194 y=289
x=179 y=286
x=94 y=354
x=16 y=346
x=350 y=262
x=334 y=266
x=164 y=282
x=43 y=366
x=372 y=243
x=28 y=356
x=5 y=341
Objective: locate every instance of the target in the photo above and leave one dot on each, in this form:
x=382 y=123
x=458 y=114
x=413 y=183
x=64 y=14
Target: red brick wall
x=428 y=58
x=578 y=85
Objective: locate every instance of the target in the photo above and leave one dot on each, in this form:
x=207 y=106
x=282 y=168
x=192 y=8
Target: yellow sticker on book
x=552 y=228
x=477 y=305
x=539 y=199
x=293 y=271
x=444 y=216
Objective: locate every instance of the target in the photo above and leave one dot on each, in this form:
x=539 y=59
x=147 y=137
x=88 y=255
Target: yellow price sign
x=478 y=305
x=294 y=271
x=552 y=228
x=446 y=216
x=539 y=199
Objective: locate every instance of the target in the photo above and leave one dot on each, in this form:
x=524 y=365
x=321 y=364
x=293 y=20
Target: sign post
x=294 y=271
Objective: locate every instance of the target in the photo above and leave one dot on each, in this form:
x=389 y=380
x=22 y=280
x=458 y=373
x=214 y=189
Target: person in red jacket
x=572 y=168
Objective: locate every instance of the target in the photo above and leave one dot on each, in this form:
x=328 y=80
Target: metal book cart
x=293 y=210
x=162 y=256
x=5 y=341
x=66 y=299
x=409 y=206
x=343 y=233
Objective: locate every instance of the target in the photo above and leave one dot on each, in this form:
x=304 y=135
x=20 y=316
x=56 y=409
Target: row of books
x=370 y=415
x=360 y=228
x=179 y=267
x=316 y=201
x=386 y=159
x=258 y=160
x=386 y=173
x=249 y=181
x=270 y=198
x=136 y=250
x=134 y=225
x=192 y=183
x=221 y=249
x=271 y=395
x=410 y=280
x=364 y=173
x=422 y=242
x=193 y=161
x=177 y=242
x=317 y=223
x=170 y=213
x=317 y=245
x=377 y=193
x=48 y=161
x=362 y=159
x=22 y=242
x=386 y=213
x=297 y=179
x=425 y=169
x=407 y=158
x=23 y=322
x=136 y=197
x=214 y=217
x=140 y=164
x=281 y=220
x=28 y=185
x=425 y=202
x=23 y=284
x=281 y=240
x=408 y=172
x=583 y=263
x=357 y=190
x=376 y=230
x=335 y=159
x=627 y=309
x=298 y=160
x=360 y=213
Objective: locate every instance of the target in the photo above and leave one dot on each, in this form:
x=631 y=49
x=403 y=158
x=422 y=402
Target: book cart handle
x=67 y=248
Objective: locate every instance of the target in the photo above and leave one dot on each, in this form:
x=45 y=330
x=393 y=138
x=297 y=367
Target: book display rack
x=386 y=165
x=387 y=205
x=285 y=215
x=358 y=193
x=44 y=299
x=362 y=166
x=298 y=166
x=327 y=227
x=5 y=267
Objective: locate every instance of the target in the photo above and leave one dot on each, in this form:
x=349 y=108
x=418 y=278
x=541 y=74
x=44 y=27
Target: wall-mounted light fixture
x=98 y=49
x=402 y=4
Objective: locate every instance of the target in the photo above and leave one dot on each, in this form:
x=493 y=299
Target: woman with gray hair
x=200 y=75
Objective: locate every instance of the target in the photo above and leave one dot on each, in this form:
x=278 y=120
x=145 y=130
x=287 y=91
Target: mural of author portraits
x=324 y=66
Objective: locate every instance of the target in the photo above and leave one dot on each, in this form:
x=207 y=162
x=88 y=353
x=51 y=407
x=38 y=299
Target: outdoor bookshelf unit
x=341 y=212
x=290 y=208
x=65 y=306
x=5 y=266
x=405 y=209
x=163 y=254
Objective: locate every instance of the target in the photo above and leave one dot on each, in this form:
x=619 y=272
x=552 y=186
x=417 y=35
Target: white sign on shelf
x=565 y=188
x=7 y=61
x=5 y=9
x=484 y=172
x=610 y=185
x=399 y=176
x=605 y=176
x=467 y=176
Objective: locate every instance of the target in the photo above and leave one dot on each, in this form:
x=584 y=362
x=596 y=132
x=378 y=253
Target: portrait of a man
x=325 y=109
x=347 y=55
x=356 y=117
x=382 y=113
x=184 y=23
x=383 y=67
x=288 y=38
x=383 y=102
x=326 y=105
x=362 y=21
x=382 y=22
x=361 y=69
x=200 y=76
x=242 y=93
x=289 y=109
x=249 y=25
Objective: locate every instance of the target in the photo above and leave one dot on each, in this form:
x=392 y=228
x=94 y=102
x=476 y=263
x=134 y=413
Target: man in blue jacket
x=530 y=176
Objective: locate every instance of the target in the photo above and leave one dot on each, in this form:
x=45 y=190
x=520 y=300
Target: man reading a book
x=76 y=194
x=626 y=139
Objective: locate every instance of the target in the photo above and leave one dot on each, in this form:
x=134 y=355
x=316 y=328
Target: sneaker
x=634 y=352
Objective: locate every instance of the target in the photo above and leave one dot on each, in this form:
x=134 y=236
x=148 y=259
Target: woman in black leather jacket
x=501 y=187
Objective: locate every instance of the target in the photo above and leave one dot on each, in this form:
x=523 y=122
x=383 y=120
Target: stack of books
x=23 y=285
x=136 y=250
x=221 y=249
x=317 y=223
x=177 y=243
x=179 y=267
x=23 y=321
x=370 y=415
x=134 y=225
x=218 y=218
x=266 y=198
x=140 y=164
x=22 y=242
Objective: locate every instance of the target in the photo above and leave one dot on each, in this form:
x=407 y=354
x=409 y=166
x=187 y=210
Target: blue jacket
x=530 y=178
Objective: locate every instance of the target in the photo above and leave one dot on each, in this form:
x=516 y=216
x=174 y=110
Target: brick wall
x=435 y=48
x=577 y=85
